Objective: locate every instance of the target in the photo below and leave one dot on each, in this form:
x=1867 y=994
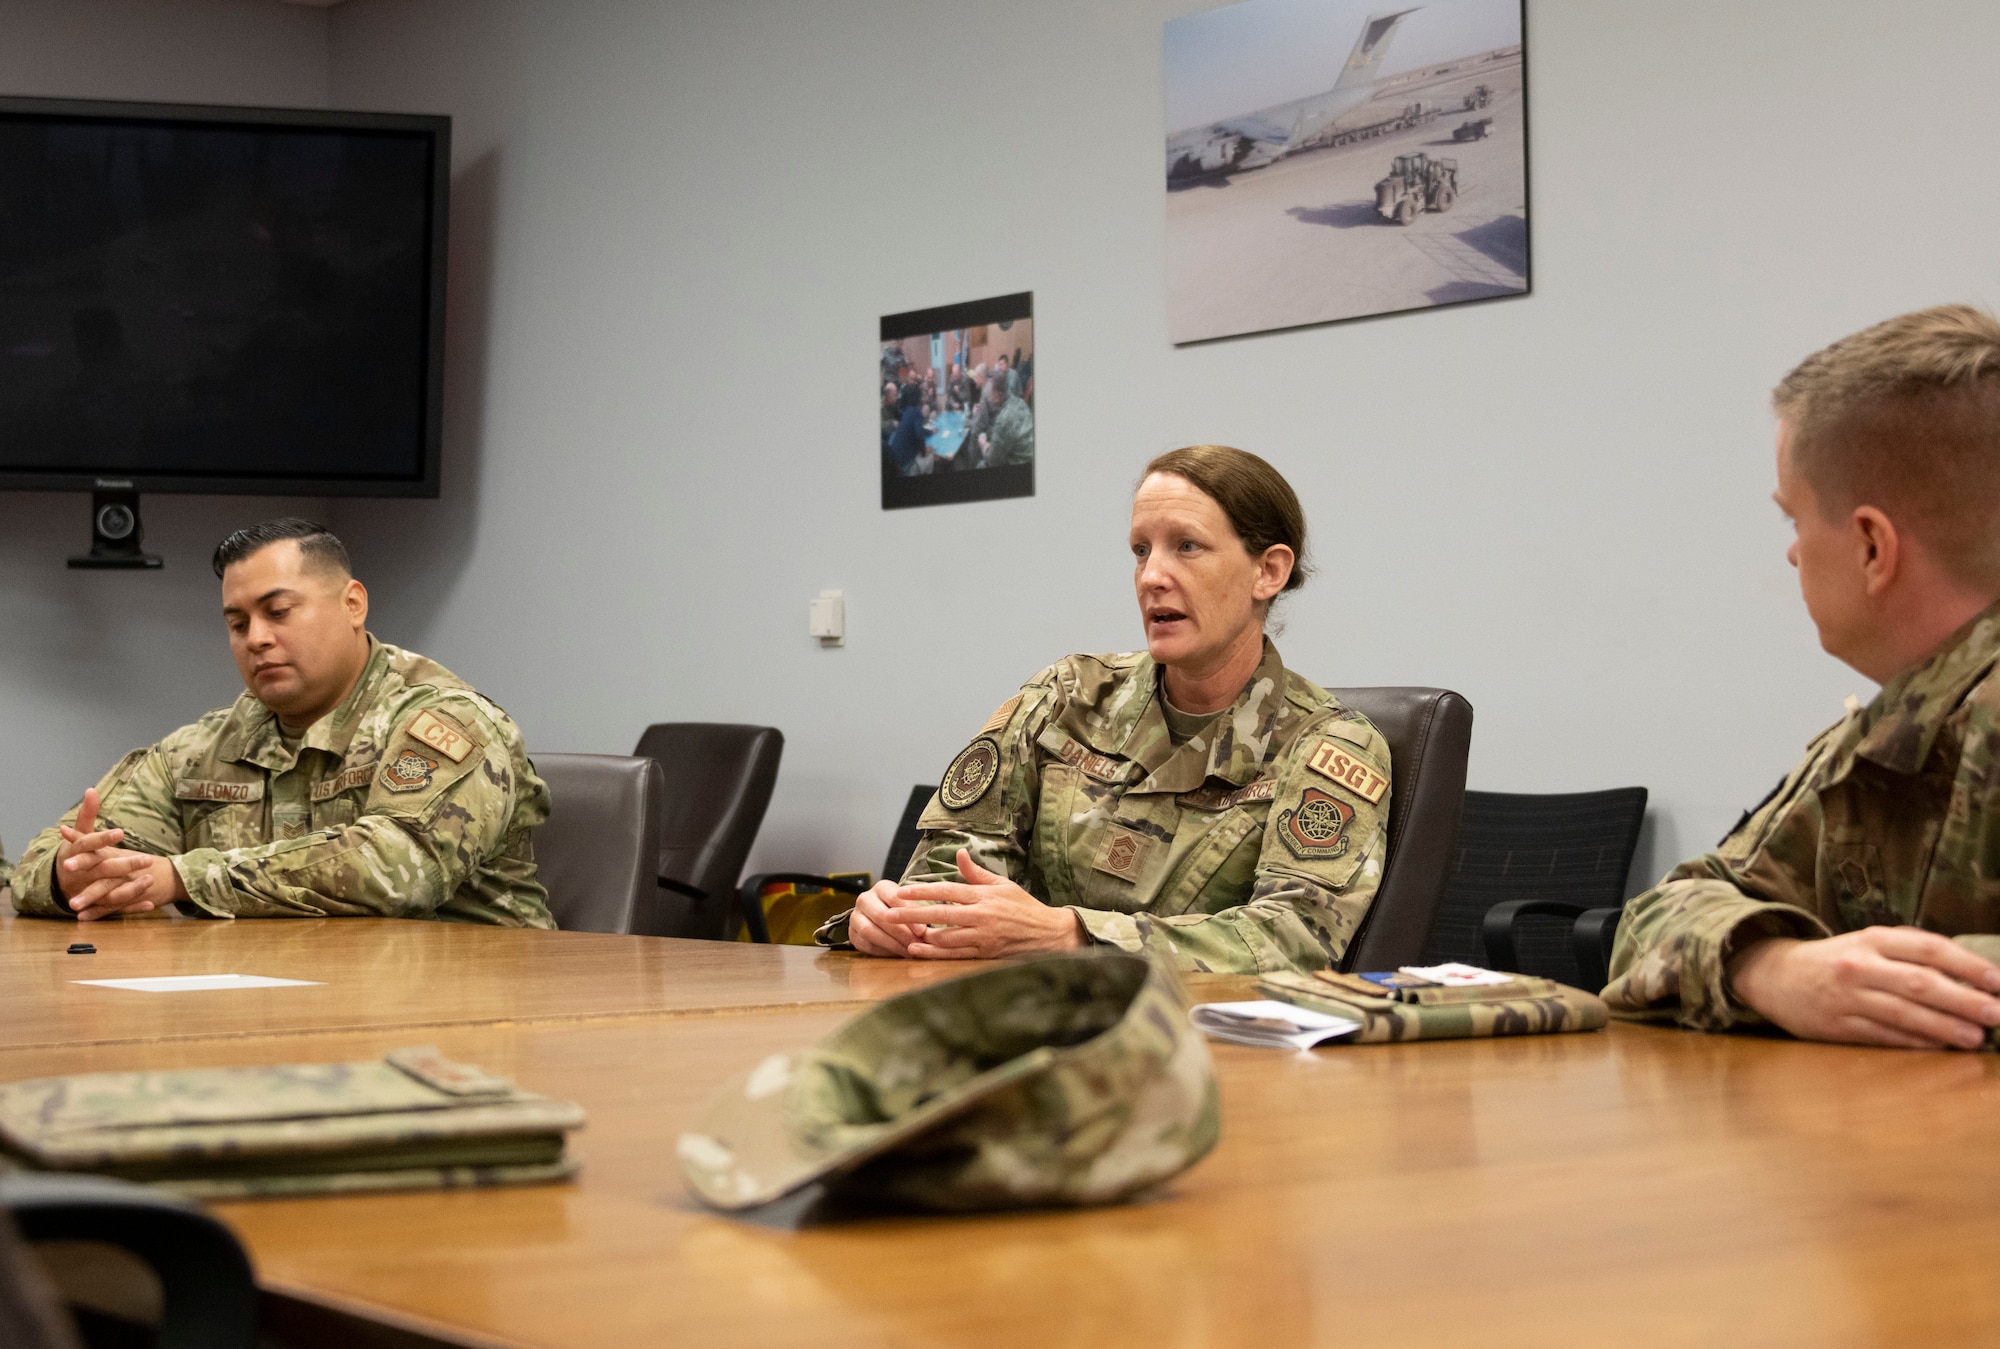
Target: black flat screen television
x=203 y=299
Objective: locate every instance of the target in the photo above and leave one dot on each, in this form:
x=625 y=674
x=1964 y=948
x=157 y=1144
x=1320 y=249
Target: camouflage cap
x=1066 y=1079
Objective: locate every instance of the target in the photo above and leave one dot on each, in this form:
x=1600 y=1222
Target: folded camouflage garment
x=1525 y=1006
x=410 y=1120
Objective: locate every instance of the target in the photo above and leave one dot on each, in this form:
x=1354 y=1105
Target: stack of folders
x=1431 y=1002
x=412 y=1119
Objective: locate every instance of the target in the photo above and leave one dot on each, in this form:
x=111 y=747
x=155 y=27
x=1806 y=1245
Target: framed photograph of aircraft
x=1333 y=159
x=957 y=390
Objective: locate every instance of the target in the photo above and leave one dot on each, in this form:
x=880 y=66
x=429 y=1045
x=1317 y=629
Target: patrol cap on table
x=1066 y=1079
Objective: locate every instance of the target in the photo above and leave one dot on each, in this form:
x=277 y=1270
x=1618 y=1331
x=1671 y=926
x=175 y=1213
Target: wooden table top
x=394 y=973
x=1636 y=1186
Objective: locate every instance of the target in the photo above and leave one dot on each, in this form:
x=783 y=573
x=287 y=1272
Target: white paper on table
x=1456 y=975
x=196 y=983
x=1266 y=1024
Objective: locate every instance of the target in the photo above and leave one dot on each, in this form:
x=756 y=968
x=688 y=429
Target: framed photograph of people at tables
x=957 y=394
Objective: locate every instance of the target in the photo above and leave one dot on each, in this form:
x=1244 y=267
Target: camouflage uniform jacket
x=1255 y=846
x=412 y=799
x=1012 y=437
x=1893 y=817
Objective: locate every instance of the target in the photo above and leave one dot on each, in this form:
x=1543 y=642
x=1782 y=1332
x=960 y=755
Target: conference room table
x=1636 y=1185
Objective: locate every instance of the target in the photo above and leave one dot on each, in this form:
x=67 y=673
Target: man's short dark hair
x=316 y=542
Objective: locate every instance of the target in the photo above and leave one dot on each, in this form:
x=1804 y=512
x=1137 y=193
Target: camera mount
x=116 y=533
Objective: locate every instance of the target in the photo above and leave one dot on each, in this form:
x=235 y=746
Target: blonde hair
x=1905 y=416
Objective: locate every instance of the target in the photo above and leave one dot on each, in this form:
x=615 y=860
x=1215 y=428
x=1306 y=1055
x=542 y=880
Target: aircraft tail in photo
x=1370 y=49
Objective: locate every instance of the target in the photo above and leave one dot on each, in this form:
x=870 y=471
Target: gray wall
x=676 y=224
x=94 y=663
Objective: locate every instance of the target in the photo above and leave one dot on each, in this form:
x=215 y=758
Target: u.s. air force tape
x=970 y=774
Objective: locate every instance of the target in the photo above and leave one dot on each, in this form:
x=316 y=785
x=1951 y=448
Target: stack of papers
x=1455 y=975
x=1269 y=1025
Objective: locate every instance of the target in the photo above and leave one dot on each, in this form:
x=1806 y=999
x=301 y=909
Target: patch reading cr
x=408 y=772
x=430 y=729
x=970 y=774
x=1318 y=827
x=1333 y=761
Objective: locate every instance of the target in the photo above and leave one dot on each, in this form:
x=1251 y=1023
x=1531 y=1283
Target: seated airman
x=1827 y=910
x=351 y=778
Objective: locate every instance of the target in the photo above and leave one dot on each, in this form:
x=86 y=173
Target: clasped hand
x=979 y=918
x=101 y=879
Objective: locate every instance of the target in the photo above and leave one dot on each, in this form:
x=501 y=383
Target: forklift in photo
x=1416 y=183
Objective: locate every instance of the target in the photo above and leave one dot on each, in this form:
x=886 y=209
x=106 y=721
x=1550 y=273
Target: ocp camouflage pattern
x=1893 y=817
x=364 y=820
x=410 y=1118
x=1185 y=850
x=1388 y=1021
x=1071 y=1078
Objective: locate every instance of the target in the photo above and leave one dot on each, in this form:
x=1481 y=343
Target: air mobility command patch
x=1349 y=770
x=1317 y=829
x=430 y=729
x=970 y=774
x=408 y=772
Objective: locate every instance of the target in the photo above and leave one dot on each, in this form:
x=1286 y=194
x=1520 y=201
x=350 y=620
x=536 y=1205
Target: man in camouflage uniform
x=350 y=779
x=1012 y=437
x=1821 y=912
x=1255 y=845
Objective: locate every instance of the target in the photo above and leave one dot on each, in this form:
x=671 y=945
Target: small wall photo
x=957 y=395
x=1328 y=160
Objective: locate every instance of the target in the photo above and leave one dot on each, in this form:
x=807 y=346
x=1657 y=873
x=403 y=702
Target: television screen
x=201 y=299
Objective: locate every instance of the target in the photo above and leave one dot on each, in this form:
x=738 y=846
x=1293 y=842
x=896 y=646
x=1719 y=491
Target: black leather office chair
x=719 y=778
x=599 y=852
x=1539 y=882
x=1430 y=735
x=901 y=848
x=209 y=1295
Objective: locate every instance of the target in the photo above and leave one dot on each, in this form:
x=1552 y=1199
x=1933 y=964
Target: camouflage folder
x=1519 y=986
x=1538 y=1007
x=412 y=1119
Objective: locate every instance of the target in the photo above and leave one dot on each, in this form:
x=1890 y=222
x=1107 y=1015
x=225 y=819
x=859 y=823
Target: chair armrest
x=1496 y=929
x=209 y=1292
x=751 y=891
x=1591 y=939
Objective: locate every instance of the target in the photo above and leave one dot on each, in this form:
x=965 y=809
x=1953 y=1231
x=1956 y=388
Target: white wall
x=94 y=663
x=677 y=223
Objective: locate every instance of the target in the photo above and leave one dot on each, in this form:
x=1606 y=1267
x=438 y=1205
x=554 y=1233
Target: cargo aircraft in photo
x=1268 y=135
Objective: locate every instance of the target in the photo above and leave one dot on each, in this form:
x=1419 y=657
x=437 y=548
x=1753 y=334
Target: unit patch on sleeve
x=408 y=772
x=1317 y=829
x=1341 y=764
x=970 y=774
x=431 y=729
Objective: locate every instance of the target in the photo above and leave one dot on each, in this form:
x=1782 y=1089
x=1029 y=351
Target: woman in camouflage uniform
x=1197 y=798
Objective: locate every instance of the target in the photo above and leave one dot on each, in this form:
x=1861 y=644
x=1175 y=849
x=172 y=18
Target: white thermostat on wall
x=828 y=620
